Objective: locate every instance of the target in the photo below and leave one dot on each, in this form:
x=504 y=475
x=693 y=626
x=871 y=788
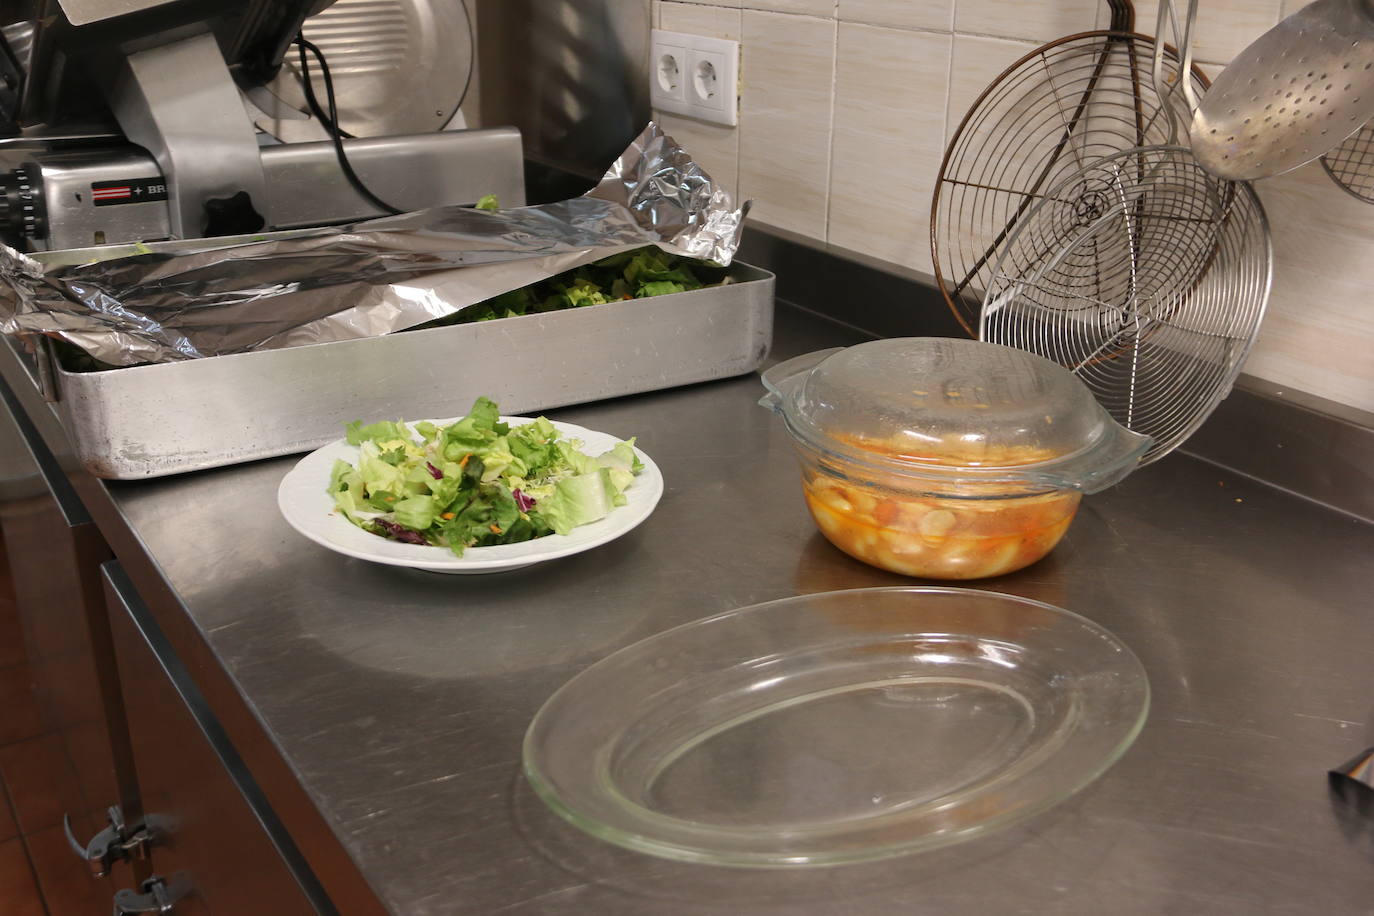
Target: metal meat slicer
x=136 y=120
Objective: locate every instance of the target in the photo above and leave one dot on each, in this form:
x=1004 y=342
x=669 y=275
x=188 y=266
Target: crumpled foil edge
x=194 y=299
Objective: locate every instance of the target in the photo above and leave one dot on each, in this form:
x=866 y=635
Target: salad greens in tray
x=476 y=482
x=637 y=274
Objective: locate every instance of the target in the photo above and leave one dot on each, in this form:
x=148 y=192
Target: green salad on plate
x=476 y=482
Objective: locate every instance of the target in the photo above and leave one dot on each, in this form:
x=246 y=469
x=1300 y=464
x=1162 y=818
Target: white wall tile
x=1224 y=28
x=977 y=62
x=1030 y=20
x=700 y=19
x=1318 y=335
x=936 y=15
x=805 y=7
x=787 y=66
x=855 y=162
x=890 y=88
x=714 y=146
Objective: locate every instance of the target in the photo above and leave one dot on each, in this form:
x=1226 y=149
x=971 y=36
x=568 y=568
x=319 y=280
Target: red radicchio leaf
x=399 y=532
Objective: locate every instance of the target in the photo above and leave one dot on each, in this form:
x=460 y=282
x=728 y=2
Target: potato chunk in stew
x=974 y=536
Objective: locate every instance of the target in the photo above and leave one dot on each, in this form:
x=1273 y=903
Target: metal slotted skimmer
x=1304 y=88
x=1351 y=165
x=1051 y=114
x=1293 y=95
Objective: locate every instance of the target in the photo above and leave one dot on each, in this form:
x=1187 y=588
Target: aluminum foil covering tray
x=236 y=349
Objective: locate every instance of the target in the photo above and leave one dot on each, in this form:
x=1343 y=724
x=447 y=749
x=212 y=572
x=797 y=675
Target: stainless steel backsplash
x=571 y=74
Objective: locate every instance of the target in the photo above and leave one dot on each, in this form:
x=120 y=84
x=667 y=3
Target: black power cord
x=330 y=120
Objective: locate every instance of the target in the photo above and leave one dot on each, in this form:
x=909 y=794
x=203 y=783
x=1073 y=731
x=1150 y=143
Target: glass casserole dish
x=945 y=458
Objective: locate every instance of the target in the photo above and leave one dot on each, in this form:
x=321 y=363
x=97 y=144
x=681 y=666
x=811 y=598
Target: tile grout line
x=33 y=873
x=6 y=794
x=23 y=839
x=926 y=241
x=949 y=98
x=1096 y=24
x=741 y=84
x=925 y=30
x=739 y=108
x=830 y=136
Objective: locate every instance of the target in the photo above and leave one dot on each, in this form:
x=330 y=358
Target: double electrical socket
x=694 y=76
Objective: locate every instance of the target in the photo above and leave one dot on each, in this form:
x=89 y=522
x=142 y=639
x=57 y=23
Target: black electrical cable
x=327 y=120
x=330 y=121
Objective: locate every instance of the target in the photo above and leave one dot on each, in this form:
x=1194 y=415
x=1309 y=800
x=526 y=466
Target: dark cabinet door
x=216 y=843
x=54 y=551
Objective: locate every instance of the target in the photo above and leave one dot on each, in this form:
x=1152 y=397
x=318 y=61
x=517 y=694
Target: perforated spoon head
x=1292 y=96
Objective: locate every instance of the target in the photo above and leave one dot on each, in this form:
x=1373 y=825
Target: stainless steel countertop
x=401 y=698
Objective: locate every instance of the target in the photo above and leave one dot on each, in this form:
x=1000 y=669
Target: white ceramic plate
x=306 y=504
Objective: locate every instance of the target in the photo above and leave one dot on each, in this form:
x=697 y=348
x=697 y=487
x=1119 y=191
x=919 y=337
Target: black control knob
x=22 y=213
x=233 y=215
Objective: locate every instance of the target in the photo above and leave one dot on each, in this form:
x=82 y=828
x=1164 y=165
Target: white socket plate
x=695 y=76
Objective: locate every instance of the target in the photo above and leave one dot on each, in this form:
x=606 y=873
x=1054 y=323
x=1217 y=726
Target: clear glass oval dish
x=837 y=727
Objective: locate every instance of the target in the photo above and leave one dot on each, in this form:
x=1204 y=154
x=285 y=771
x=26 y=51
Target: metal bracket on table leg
x=114 y=843
x=154 y=896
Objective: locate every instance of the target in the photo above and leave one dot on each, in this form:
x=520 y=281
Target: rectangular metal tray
x=169 y=418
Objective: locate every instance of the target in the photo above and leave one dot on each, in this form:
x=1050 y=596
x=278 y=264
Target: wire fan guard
x=1147 y=278
x=1049 y=115
x=1351 y=165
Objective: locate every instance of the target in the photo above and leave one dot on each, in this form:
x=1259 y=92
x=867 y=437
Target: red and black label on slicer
x=132 y=191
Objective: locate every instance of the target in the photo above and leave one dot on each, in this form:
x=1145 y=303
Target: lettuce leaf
x=456 y=485
x=384 y=431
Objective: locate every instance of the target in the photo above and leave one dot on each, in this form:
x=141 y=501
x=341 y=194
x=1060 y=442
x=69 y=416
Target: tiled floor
x=39 y=874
